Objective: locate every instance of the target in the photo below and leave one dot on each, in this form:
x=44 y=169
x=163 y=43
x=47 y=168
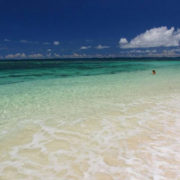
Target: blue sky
x=89 y=28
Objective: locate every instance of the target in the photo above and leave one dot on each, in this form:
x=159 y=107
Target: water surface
x=90 y=119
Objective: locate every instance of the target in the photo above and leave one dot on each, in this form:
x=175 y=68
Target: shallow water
x=90 y=120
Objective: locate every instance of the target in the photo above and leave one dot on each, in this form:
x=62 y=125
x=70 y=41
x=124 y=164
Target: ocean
x=90 y=119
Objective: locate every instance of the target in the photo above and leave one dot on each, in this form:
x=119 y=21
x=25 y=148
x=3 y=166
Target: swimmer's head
x=153 y=72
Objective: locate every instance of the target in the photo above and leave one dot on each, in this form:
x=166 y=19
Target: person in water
x=153 y=72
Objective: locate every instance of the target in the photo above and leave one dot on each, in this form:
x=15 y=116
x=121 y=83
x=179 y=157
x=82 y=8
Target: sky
x=89 y=28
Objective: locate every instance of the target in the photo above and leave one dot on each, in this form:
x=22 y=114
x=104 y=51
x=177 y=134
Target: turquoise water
x=21 y=71
x=89 y=119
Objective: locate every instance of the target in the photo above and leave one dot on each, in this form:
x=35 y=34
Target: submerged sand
x=109 y=127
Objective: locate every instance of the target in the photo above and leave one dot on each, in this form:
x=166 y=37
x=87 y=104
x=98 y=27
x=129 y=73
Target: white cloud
x=102 y=47
x=142 y=51
x=24 y=56
x=16 y=56
x=56 y=43
x=34 y=56
x=49 y=50
x=123 y=41
x=165 y=52
x=155 y=37
x=85 y=47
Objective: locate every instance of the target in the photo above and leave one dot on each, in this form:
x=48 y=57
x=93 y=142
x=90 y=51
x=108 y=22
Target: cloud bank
x=23 y=56
x=34 y=56
x=15 y=56
x=155 y=37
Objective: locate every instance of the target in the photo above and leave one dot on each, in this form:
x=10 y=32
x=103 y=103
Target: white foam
x=159 y=123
